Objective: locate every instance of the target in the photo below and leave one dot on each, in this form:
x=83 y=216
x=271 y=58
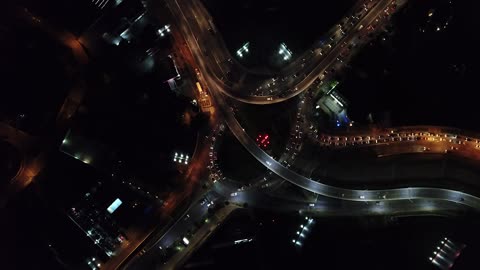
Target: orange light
x=199 y=87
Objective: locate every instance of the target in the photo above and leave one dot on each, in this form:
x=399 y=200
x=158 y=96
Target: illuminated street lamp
x=163 y=30
x=285 y=52
x=243 y=49
x=181 y=158
x=302 y=232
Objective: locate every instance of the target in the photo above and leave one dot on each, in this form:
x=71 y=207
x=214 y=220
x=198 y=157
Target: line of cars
x=215 y=172
x=339 y=31
x=333 y=140
x=294 y=144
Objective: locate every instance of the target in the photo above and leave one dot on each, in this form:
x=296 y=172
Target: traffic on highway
x=213 y=63
x=211 y=76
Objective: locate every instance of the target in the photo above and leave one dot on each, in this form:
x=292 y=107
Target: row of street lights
x=181 y=158
x=304 y=228
x=164 y=29
x=446 y=254
x=243 y=49
x=283 y=51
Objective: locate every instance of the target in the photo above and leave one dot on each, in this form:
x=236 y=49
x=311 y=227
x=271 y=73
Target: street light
x=285 y=52
x=243 y=49
x=181 y=158
x=164 y=29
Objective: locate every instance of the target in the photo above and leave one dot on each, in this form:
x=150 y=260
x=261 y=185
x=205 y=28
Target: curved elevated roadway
x=311 y=185
x=193 y=22
x=400 y=194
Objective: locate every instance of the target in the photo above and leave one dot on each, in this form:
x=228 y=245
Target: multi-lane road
x=217 y=88
x=212 y=59
x=295 y=78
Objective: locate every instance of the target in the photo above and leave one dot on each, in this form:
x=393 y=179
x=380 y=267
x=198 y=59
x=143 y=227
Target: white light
x=114 y=206
x=185 y=241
